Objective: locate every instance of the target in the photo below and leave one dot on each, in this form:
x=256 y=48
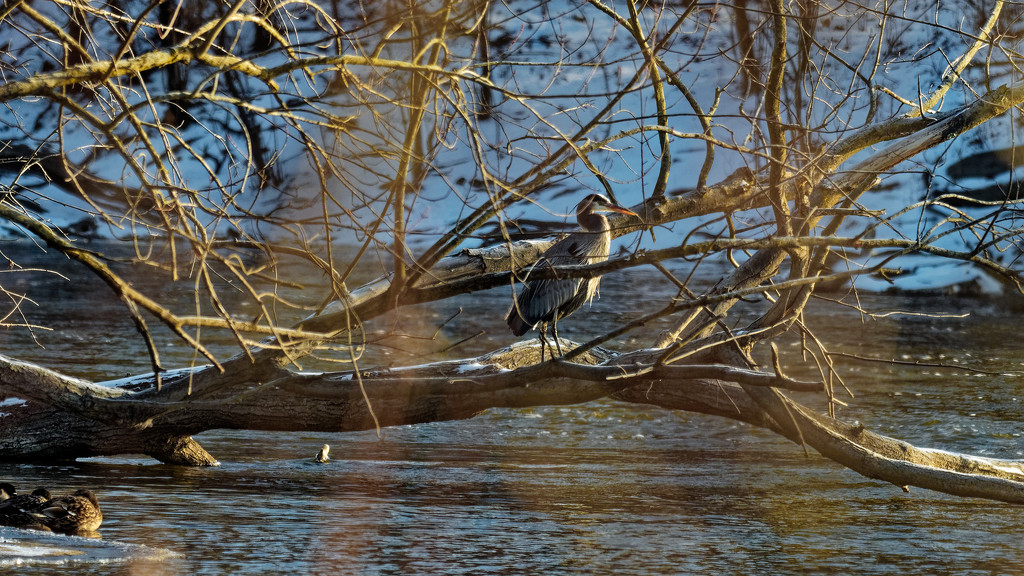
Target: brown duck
x=79 y=512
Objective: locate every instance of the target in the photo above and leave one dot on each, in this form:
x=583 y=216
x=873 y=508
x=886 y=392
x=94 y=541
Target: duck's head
x=88 y=495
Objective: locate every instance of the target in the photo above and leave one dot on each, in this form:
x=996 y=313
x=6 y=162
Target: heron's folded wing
x=542 y=298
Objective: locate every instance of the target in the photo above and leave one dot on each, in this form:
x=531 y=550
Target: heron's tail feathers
x=516 y=323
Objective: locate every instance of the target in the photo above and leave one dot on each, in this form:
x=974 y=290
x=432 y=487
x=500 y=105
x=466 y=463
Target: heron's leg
x=558 y=343
x=543 y=341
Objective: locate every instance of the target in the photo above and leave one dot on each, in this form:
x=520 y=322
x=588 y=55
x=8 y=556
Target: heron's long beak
x=620 y=210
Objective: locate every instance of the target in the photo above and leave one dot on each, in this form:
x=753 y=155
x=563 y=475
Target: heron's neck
x=593 y=222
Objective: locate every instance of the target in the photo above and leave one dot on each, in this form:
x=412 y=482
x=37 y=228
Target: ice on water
x=33 y=548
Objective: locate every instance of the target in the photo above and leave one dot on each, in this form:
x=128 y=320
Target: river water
x=599 y=488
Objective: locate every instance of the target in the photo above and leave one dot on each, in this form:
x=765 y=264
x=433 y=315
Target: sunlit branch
x=953 y=74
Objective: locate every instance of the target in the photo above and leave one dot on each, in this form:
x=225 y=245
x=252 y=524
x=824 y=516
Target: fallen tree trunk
x=64 y=417
x=900 y=463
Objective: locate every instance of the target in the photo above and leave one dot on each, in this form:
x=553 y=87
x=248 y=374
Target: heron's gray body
x=546 y=300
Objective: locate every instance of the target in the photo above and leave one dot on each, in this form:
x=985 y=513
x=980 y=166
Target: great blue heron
x=544 y=301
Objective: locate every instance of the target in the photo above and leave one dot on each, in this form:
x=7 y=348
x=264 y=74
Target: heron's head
x=600 y=203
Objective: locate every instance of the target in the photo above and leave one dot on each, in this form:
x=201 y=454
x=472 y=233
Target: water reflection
x=497 y=495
